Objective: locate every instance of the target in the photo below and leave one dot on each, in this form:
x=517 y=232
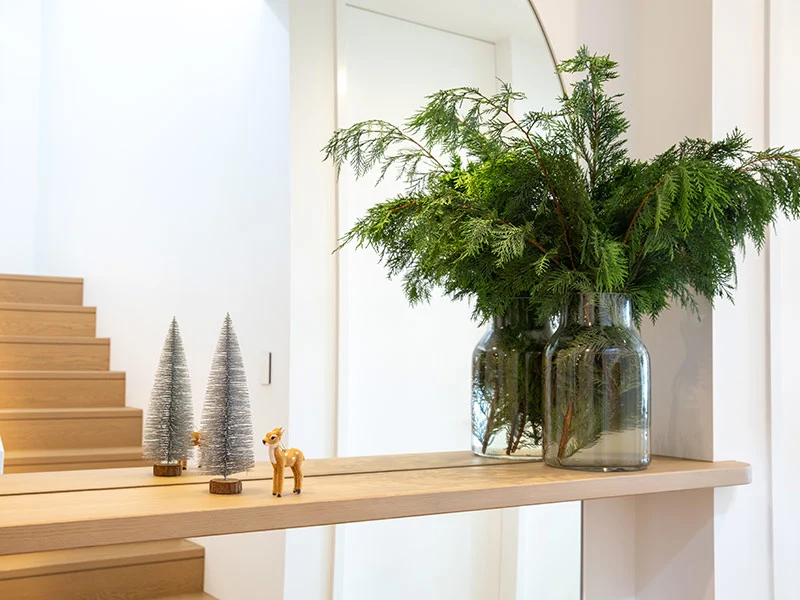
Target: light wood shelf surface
x=34 y=518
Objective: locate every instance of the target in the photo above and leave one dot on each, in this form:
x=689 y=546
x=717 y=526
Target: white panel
x=549 y=552
x=20 y=70
x=675 y=546
x=313 y=285
x=681 y=363
x=785 y=328
x=742 y=524
x=425 y=558
x=609 y=549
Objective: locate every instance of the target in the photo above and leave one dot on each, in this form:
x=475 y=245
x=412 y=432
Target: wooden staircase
x=61 y=408
x=171 y=569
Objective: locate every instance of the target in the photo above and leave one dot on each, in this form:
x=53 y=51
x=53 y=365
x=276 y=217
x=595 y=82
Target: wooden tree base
x=225 y=486
x=167 y=470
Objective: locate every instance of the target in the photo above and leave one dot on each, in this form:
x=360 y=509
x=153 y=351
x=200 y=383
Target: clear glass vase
x=507 y=386
x=597 y=388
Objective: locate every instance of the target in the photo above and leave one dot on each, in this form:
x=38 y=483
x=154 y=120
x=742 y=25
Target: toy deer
x=281 y=459
x=195 y=443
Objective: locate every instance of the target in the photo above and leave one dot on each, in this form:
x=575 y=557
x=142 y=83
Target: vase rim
x=602 y=294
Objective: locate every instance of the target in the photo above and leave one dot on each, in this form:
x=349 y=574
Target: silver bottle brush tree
x=170 y=420
x=226 y=426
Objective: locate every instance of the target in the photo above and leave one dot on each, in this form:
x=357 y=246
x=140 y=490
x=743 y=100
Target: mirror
x=146 y=150
x=404 y=372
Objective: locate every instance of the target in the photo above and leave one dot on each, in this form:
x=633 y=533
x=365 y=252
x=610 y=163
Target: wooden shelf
x=88 y=508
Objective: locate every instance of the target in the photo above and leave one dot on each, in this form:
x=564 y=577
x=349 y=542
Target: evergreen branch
x=640 y=208
x=537 y=154
x=530 y=239
x=548 y=205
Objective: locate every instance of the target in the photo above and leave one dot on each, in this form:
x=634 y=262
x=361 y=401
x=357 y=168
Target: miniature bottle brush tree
x=226 y=428
x=170 y=420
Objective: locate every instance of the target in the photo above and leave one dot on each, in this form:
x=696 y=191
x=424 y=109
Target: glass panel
x=406 y=374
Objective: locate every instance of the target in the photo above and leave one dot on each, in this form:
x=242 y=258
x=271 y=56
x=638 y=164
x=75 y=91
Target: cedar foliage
x=550 y=204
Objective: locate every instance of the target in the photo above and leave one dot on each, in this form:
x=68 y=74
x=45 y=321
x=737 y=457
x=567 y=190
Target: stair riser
x=41 y=292
x=51 y=323
x=61 y=393
x=54 y=357
x=81 y=466
x=36 y=434
x=133 y=582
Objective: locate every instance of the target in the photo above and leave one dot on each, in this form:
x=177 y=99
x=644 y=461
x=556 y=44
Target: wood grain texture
x=60 y=561
x=75 y=466
x=51 y=521
x=195 y=596
x=134 y=582
x=315 y=467
x=166 y=470
x=47 y=320
x=138 y=571
x=38 y=353
x=61 y=389
x=79 y=455
x=41 y=290
x=225 y=486
x=52 y=429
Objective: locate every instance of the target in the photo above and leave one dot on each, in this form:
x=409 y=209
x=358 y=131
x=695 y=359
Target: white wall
x=162 y=175
x=741 y=330
x=20 y=64
x=784 y=129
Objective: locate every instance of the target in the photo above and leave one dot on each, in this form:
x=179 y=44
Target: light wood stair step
x=170 y=569
x=41 y=290
x=197 y=596
x=61 y=389
x=18 y=318
x=36 y=460
x=54 y=353
x=33 y=461
x=69 y=428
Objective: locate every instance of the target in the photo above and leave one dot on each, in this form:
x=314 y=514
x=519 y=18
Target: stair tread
x=31 y=307
x=16 y=374
x=52 y=339
x=84 y=559
x=53 y=456
x=40 y=278
x=195 y=596
x=25 y=414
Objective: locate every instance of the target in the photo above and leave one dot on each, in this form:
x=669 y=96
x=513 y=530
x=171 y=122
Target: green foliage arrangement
x=549 y=204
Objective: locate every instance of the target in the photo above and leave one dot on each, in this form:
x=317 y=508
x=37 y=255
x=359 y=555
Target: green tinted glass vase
x=507 y=386
x=597 y=388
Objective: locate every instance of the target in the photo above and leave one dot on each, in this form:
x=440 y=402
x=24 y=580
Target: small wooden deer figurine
x=281 y=459
x=195 y=443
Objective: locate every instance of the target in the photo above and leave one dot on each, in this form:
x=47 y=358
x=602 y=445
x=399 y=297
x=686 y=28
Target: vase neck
x=599 y=310
x=518 y=316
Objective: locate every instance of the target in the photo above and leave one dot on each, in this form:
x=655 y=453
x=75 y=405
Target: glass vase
x=597 y=388
x=507 y=386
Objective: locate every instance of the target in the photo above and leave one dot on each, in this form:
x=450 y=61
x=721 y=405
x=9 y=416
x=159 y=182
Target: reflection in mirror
x=404 y=373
